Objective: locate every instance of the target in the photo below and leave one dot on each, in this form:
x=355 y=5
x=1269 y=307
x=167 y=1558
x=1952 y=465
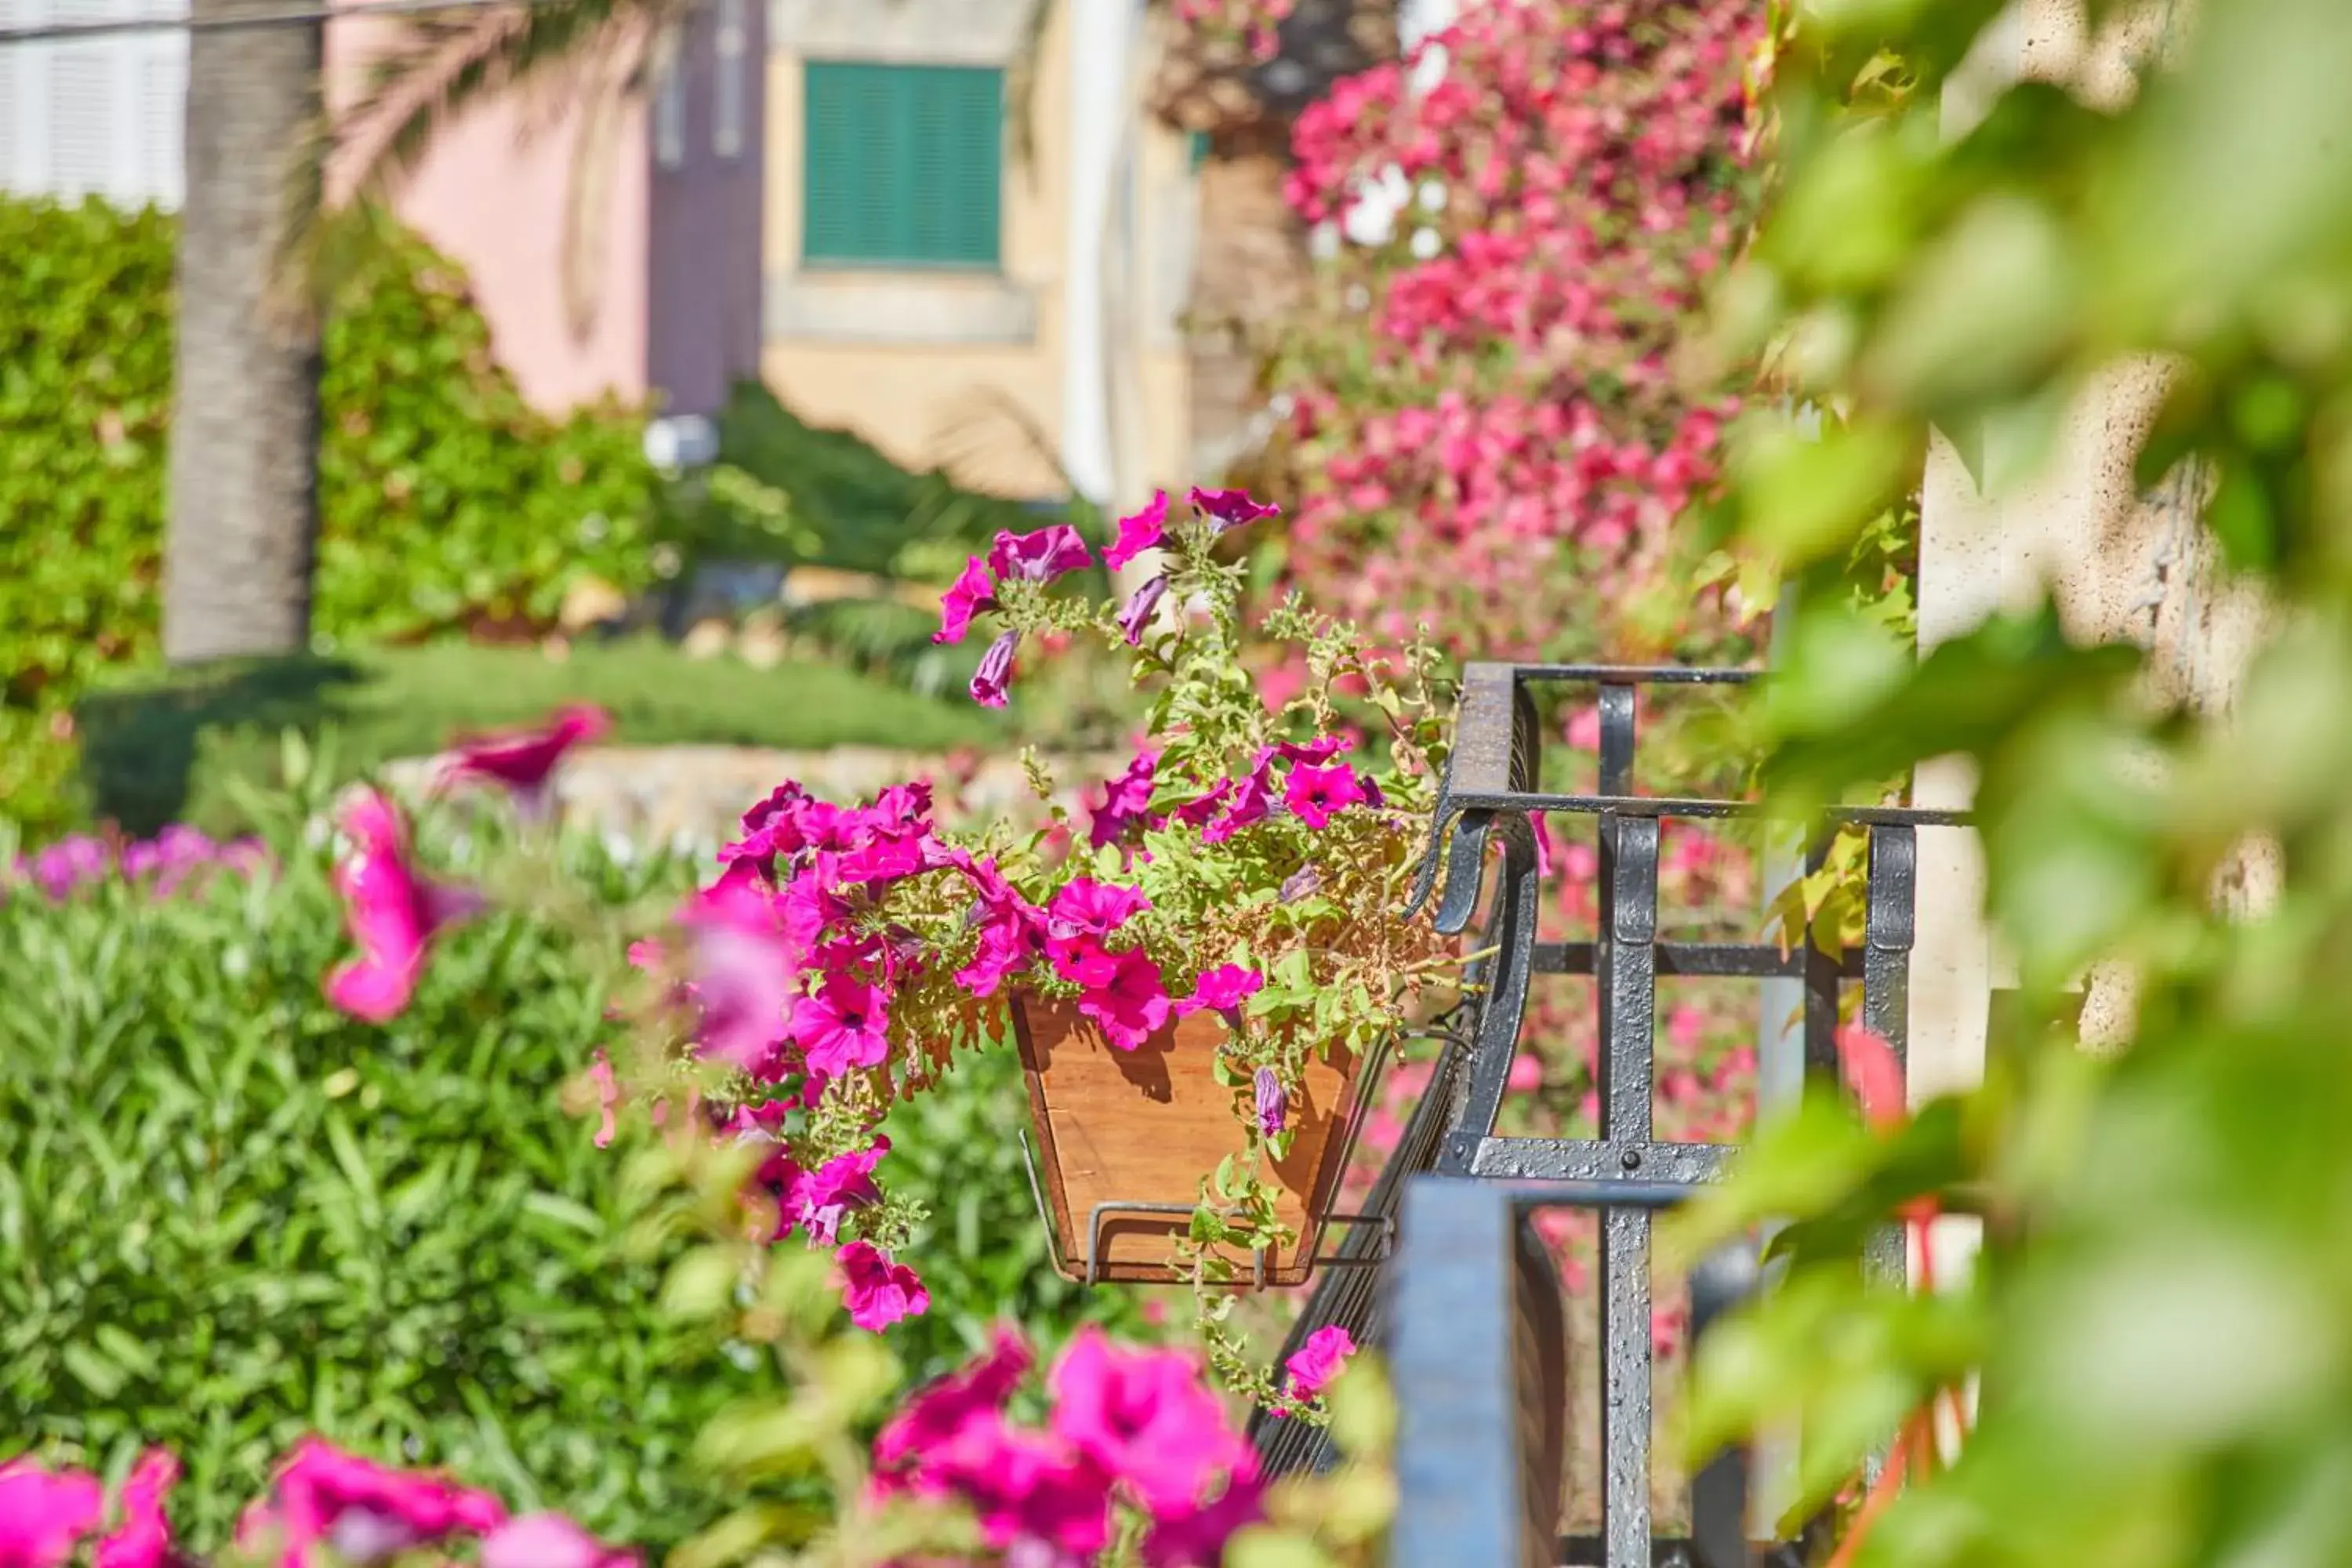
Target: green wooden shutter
x=903 y=165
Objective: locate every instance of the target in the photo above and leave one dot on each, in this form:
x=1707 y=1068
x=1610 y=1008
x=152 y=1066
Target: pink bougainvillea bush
x=325 y=1509
x=1487 y=425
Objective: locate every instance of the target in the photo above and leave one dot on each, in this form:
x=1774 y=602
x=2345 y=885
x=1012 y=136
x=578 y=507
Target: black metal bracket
x=1491 y=796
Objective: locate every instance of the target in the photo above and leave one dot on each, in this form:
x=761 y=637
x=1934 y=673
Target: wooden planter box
x=1124 y=1138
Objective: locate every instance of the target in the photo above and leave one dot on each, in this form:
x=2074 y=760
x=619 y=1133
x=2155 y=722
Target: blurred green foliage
x=232 y=1214
x=2159 y=1316
x=443 y=495
x=788 y=492
x=229 y=1215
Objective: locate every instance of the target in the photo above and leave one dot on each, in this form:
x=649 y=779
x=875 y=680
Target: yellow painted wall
x=964 y=406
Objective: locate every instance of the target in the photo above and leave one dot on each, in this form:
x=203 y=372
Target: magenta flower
x=521 y=762
x=1036 y=1501
x=1321 y=749
x=43 y=1516
x=608 y=1098
x=549 y=1541
x=819 y=1201
x=1147 y=1418
x=771 y=829
x=1203 y=810
x=844 y=1026
x=1135 y=616
x=1127 y=999
x=363 y=1512
x=989 y=681
x=972 y=592
x=1127 y=801
x=1225 y=988
x=1197 y=1539
x=1084 y=906
x=747 y=974
x=1039 y=556
x=143 y=1537
x=1272 y=1102
x=1138 y=533
x=1251 y=800
x=878 y=1291
x=390 y=911
x=1316 y=795
x=941 y=1411
x=1232 y=509
x=1317 y=1362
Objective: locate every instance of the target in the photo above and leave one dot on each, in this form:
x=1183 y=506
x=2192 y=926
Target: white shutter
x=95 y=116
x=159 y=113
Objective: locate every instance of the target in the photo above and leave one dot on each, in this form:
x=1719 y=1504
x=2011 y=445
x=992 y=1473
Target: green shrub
x=442 y=493
x=232 y=1214
x=229 y=1215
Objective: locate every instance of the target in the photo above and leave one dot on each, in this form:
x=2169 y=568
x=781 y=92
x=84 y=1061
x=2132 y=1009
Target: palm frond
x=1021 y=73
x=431 y=72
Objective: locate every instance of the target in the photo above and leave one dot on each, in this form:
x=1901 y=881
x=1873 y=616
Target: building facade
x=831 y=194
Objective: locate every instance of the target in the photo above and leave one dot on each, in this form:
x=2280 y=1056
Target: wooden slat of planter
x=1144 y=1126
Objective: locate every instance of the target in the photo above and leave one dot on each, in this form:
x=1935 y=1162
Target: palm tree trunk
x=242 y=534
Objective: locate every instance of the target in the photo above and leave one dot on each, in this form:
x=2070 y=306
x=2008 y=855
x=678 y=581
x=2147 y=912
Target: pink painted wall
x=492 y=193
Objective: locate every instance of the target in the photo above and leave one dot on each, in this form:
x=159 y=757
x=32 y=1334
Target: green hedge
x=228 y=1215
x=442 y=493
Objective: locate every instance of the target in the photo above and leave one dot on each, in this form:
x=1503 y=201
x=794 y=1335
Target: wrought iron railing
x=1461 y=1271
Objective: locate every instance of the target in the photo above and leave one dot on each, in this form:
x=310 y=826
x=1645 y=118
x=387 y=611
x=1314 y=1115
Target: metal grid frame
x=1489 y=797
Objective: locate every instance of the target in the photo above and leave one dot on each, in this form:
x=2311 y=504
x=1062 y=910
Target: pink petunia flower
x=1131 y=1002
x=549 y=1541
x=747 y=974
x=43 y=1516
x=1225 y=988
x=972 y=593
x=1035 y=1501
x=941 y=1411
x=608 y=1098
x=989 y=682
x=1251 y=799
x=1038 y=556
x=1012 y=934
x=878 y=1291
x=1138 y=533
x=1316 y=795
x=1147 y=1417
x=1135 y=616
x=1197 y=1538
x=820 y=1200
x=522 y=762
x=1317 y=1362
x=1127 y=801
x=1232 y=509
x=143 y=1538
x=1270 y=1101
x=844 y=1026
x=1085 y=907
x=390 y=911
x=363 y=1512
